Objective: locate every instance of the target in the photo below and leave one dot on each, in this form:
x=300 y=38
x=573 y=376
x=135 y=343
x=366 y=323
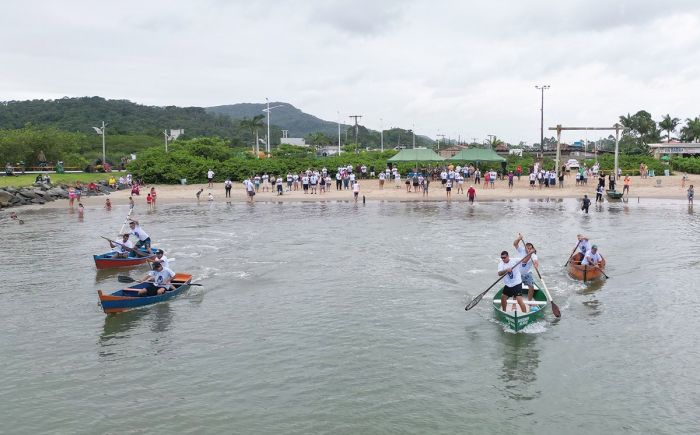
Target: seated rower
x=593 y=258
x=158 y=279
x=160 y=256
x=582 y=248
x=123 y=248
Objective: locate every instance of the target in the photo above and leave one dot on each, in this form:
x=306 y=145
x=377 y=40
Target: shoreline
x=669 y=188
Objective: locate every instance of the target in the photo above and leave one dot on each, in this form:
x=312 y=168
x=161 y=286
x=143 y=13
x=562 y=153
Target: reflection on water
x=594 y=306
x=520 y=362
x=116 y=327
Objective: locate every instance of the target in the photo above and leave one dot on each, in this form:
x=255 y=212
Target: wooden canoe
x=513 y=317
x=105 y=261
x=127 y=299
x=585 y=273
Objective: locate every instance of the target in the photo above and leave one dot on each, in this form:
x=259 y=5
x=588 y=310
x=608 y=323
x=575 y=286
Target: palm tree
x=253 y=125
x=691 y=131
x=669 y=125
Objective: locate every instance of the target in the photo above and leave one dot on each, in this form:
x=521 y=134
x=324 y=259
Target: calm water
x=342 y=318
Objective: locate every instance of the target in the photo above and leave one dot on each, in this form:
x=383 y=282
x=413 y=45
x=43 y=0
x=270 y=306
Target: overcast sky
x=452 y=67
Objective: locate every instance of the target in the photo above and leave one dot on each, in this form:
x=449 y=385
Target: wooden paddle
x=121 y=230
x=572 y=254
x=601 y=270
x=135 y=251
x=128 y=279
x=555 y=308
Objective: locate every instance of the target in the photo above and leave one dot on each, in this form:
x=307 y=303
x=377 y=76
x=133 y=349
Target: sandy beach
x=668 y=188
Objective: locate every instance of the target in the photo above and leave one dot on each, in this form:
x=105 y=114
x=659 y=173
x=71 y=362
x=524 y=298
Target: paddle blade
x=124 y=278
x=555 y=310
x=474 y=301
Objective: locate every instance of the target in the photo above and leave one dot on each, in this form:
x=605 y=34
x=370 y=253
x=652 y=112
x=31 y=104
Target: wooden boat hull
x=585 y=273
x=104 y=261
x=122 y=300
x=515 y=319
x=614 y=194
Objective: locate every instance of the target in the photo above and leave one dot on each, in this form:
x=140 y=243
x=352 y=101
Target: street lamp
x=542 y=89
x=268 y=122
x=381 y=133
x=414 y=135
x=338 y=132
x=491 y=137
x=101 y=131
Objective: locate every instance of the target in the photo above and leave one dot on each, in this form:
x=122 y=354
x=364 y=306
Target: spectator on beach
x=599 y=193
x=108 y=204
x=356 y=189
x=153 y=196
x=532 y=178
x=227 y=187
x=131 y=202
x=149 y=201
x=210 y=177
x=626 y=185
x=199 y=193
x=279 y=186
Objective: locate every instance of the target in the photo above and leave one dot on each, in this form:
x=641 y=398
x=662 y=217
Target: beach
x=668 y=188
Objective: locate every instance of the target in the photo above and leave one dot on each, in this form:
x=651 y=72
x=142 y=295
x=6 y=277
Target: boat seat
x=131 y=290
x=525 y=301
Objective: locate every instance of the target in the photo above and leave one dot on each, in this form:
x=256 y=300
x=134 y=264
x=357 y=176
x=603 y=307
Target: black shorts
x=152 y=289
x=516 y=290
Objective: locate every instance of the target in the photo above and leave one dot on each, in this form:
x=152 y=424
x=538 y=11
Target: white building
x=675 y=149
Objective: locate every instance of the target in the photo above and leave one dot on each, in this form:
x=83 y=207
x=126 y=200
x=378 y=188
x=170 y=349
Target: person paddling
x=526 y=267
x=510 y=267
x=144 y=239
x=159 y=280
x=592 y=258
x=123 y=248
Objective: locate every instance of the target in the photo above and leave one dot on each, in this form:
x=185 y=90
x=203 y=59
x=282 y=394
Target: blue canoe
x=127 y=298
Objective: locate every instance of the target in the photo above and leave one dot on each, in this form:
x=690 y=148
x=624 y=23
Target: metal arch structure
x=617 y=128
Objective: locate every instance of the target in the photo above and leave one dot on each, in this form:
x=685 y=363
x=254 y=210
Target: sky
x=458 y=68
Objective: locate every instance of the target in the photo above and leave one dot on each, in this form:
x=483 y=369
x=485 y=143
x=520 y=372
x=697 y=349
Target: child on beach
x=356 y=189
x=153 y=197
x=199 y=193
x=131 y=202
x=81 y=210
x=691 y=194
x=108 y=204
x=149 y=201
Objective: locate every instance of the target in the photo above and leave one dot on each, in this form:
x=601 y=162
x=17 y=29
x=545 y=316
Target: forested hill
x=286 y=117
x=124 y=117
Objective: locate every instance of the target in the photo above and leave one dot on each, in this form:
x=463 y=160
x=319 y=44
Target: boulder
x=5 y=197
x=11 y=189
x=38 y=201
x=27 y=193
x=39 y=192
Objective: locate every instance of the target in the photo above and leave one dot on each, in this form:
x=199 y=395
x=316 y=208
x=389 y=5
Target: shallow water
x=348 y=318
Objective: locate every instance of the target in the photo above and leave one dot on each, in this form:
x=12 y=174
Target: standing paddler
x=510 y=267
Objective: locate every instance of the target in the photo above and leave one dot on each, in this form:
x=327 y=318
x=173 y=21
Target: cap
x=594 y=247
x=156 y=264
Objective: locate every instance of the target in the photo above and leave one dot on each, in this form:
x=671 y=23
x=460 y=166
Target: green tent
x=477 y=155
x=417 y=155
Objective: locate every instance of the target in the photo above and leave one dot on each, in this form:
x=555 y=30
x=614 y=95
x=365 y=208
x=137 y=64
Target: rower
x=526 y=268
x=513 y=281
x=123 y=248
x=144 y=239
x=160 y=256
x=583 y=247
x=592 y=257
x=158 y=280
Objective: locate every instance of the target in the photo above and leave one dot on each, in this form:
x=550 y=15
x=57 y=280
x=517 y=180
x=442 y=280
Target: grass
x=29 y=179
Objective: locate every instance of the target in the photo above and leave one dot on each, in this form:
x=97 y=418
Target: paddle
x=121 y=230
x=555 y=308
x=572 y=254
x=601 y=270
x=478 y=298
x=128 y=279
x=135 y=251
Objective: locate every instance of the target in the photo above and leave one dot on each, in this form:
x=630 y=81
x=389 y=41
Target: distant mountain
x=286 y=117
x=123 y=116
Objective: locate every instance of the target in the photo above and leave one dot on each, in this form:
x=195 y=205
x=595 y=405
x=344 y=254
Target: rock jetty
x=41 y=193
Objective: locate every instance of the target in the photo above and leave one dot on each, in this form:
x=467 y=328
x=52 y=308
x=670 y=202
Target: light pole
x=357 y=145
x=101 y=131
x=439 y=135
x=414 y=135
x=338 y=132
x=542 y=89
x=268 y=122
x=491 y=136
x=381 y=133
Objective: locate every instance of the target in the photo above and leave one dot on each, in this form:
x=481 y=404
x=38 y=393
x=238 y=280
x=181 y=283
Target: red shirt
x=471 y=191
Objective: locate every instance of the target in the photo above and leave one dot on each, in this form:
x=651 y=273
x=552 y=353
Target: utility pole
x=338 y=132
x=542 y=89
x=381 y=133
x=414 y=135
x=491 y=136
x=439 y=135
x=356 y=117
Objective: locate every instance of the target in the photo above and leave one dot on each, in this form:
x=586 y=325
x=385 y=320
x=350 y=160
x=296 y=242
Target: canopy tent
x=417 y=155
x=477 y=155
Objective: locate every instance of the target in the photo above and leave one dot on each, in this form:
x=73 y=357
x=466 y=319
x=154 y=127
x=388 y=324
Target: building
x=450 y=152
x=678 y=149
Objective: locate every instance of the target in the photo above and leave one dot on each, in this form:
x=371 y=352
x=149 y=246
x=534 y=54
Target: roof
x=416 y=155
x=477 y=155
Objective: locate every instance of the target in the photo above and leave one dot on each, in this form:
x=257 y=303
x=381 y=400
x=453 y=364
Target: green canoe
x=516 y=319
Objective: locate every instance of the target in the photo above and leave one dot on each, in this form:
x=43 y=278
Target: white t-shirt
x=120 y=247
x=584 y=246
x=532 y=176
x=592 y=258
x=159 y=277
x=513 y=278
x=381 y=176
x=249 y=186
x=139 y=233
x=525 y=268
x=210 y=174
x=356 y=187
x=164 y=261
